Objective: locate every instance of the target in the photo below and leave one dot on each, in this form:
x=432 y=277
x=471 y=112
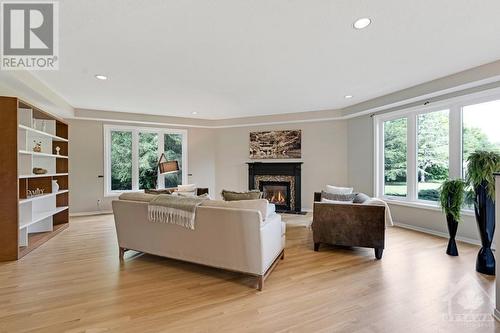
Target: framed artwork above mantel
x=276 y=144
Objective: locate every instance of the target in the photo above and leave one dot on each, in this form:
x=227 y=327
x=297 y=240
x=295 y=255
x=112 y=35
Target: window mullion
x=411 y=178
x=455 y=143
x=135 y=160
x=161 y=150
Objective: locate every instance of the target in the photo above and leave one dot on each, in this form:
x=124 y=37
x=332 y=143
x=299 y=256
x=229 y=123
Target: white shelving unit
x=36 y=214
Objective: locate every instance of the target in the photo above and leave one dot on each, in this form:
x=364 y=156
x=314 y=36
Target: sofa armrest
x=349 y=224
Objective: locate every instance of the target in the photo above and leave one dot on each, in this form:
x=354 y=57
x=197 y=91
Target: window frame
x=107 y=129
x=455 y=108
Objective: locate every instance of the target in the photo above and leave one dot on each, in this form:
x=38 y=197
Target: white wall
x=360 y=145
x=86 y=159
x=324 y=156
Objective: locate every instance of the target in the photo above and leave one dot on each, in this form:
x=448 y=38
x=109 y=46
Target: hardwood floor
x=75 y=283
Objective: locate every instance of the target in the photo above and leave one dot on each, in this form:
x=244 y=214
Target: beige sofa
x=238 y=236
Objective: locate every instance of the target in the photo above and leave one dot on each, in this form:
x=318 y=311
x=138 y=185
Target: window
x=417 y=149
x=432 y=153
x=173 y=151
x=148 y=159
x=131 y=155
x=121 y=161
x=395 y=157
x=480 y=129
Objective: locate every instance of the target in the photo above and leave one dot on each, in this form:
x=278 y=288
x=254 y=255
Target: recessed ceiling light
x=362 y=23
x=101 y=77
x=347 y=96
x=194 y=112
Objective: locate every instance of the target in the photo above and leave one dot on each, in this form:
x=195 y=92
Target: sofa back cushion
x=238 y=196
x=137 y=196
x=258 y=204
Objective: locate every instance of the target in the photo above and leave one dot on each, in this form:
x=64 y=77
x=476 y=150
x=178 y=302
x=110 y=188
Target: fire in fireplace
x=277 y=192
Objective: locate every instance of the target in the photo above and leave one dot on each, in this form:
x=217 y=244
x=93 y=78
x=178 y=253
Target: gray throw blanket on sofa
x=178 y=210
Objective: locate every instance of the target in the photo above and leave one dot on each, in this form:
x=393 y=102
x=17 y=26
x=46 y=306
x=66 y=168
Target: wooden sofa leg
x=378 y=253
x=260 y=281
x=316 y=247
x=282 y=255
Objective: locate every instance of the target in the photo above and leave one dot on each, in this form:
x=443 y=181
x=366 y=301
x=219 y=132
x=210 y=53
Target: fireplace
x=279 y=183
x=277 y=193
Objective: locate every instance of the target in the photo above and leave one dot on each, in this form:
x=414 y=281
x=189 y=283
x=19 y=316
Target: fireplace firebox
x=279 y=183
x=277 y=193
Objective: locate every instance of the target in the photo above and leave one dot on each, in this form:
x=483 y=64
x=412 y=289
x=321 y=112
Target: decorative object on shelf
x=481 y=165
x=55 y=186
x=35 y=193
x=39 y=171
x=58 y=149
x=37 y=148
x=451 y=199
x=275 y=144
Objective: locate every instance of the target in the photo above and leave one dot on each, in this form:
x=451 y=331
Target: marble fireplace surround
x=278 y=172
x=288 y=179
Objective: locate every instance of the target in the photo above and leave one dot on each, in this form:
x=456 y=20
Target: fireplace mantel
x=292 y=169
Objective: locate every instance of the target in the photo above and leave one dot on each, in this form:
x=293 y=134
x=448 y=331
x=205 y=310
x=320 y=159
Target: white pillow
x=338 y=190
x=336 y=201
x=186 y=188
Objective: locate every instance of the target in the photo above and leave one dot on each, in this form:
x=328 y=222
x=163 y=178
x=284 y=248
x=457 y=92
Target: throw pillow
x=335 y=201
x=338 y=190
x=186 y=188
x=234 y=196
x=360 y=198
x=338 y=197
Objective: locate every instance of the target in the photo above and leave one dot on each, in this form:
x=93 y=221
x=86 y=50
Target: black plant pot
x=452 y=230
x=484 y=208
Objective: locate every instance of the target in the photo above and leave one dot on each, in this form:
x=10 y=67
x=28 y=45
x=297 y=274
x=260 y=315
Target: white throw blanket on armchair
x=380 y=202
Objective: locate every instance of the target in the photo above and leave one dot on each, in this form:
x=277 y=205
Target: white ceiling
x=236 y=58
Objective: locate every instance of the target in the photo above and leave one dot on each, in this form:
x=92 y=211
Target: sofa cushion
x=137 y=196
x=338 y=190
x=338 y=197
x=361 y=198
x=259 y=204
x=237 y=196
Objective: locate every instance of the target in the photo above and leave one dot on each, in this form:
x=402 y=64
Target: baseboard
x=98 y=212
x=437 y=233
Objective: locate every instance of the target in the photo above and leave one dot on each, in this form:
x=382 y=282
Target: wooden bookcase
x=27 y=221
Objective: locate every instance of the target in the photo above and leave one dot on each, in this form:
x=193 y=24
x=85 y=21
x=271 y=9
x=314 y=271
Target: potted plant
x=451 y=198
x=480 y=168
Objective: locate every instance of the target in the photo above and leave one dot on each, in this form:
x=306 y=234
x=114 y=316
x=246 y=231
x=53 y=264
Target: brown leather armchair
x=348 y=225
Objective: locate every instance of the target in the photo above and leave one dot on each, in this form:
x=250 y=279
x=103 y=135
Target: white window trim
x=455 y=106
x=107 y=128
